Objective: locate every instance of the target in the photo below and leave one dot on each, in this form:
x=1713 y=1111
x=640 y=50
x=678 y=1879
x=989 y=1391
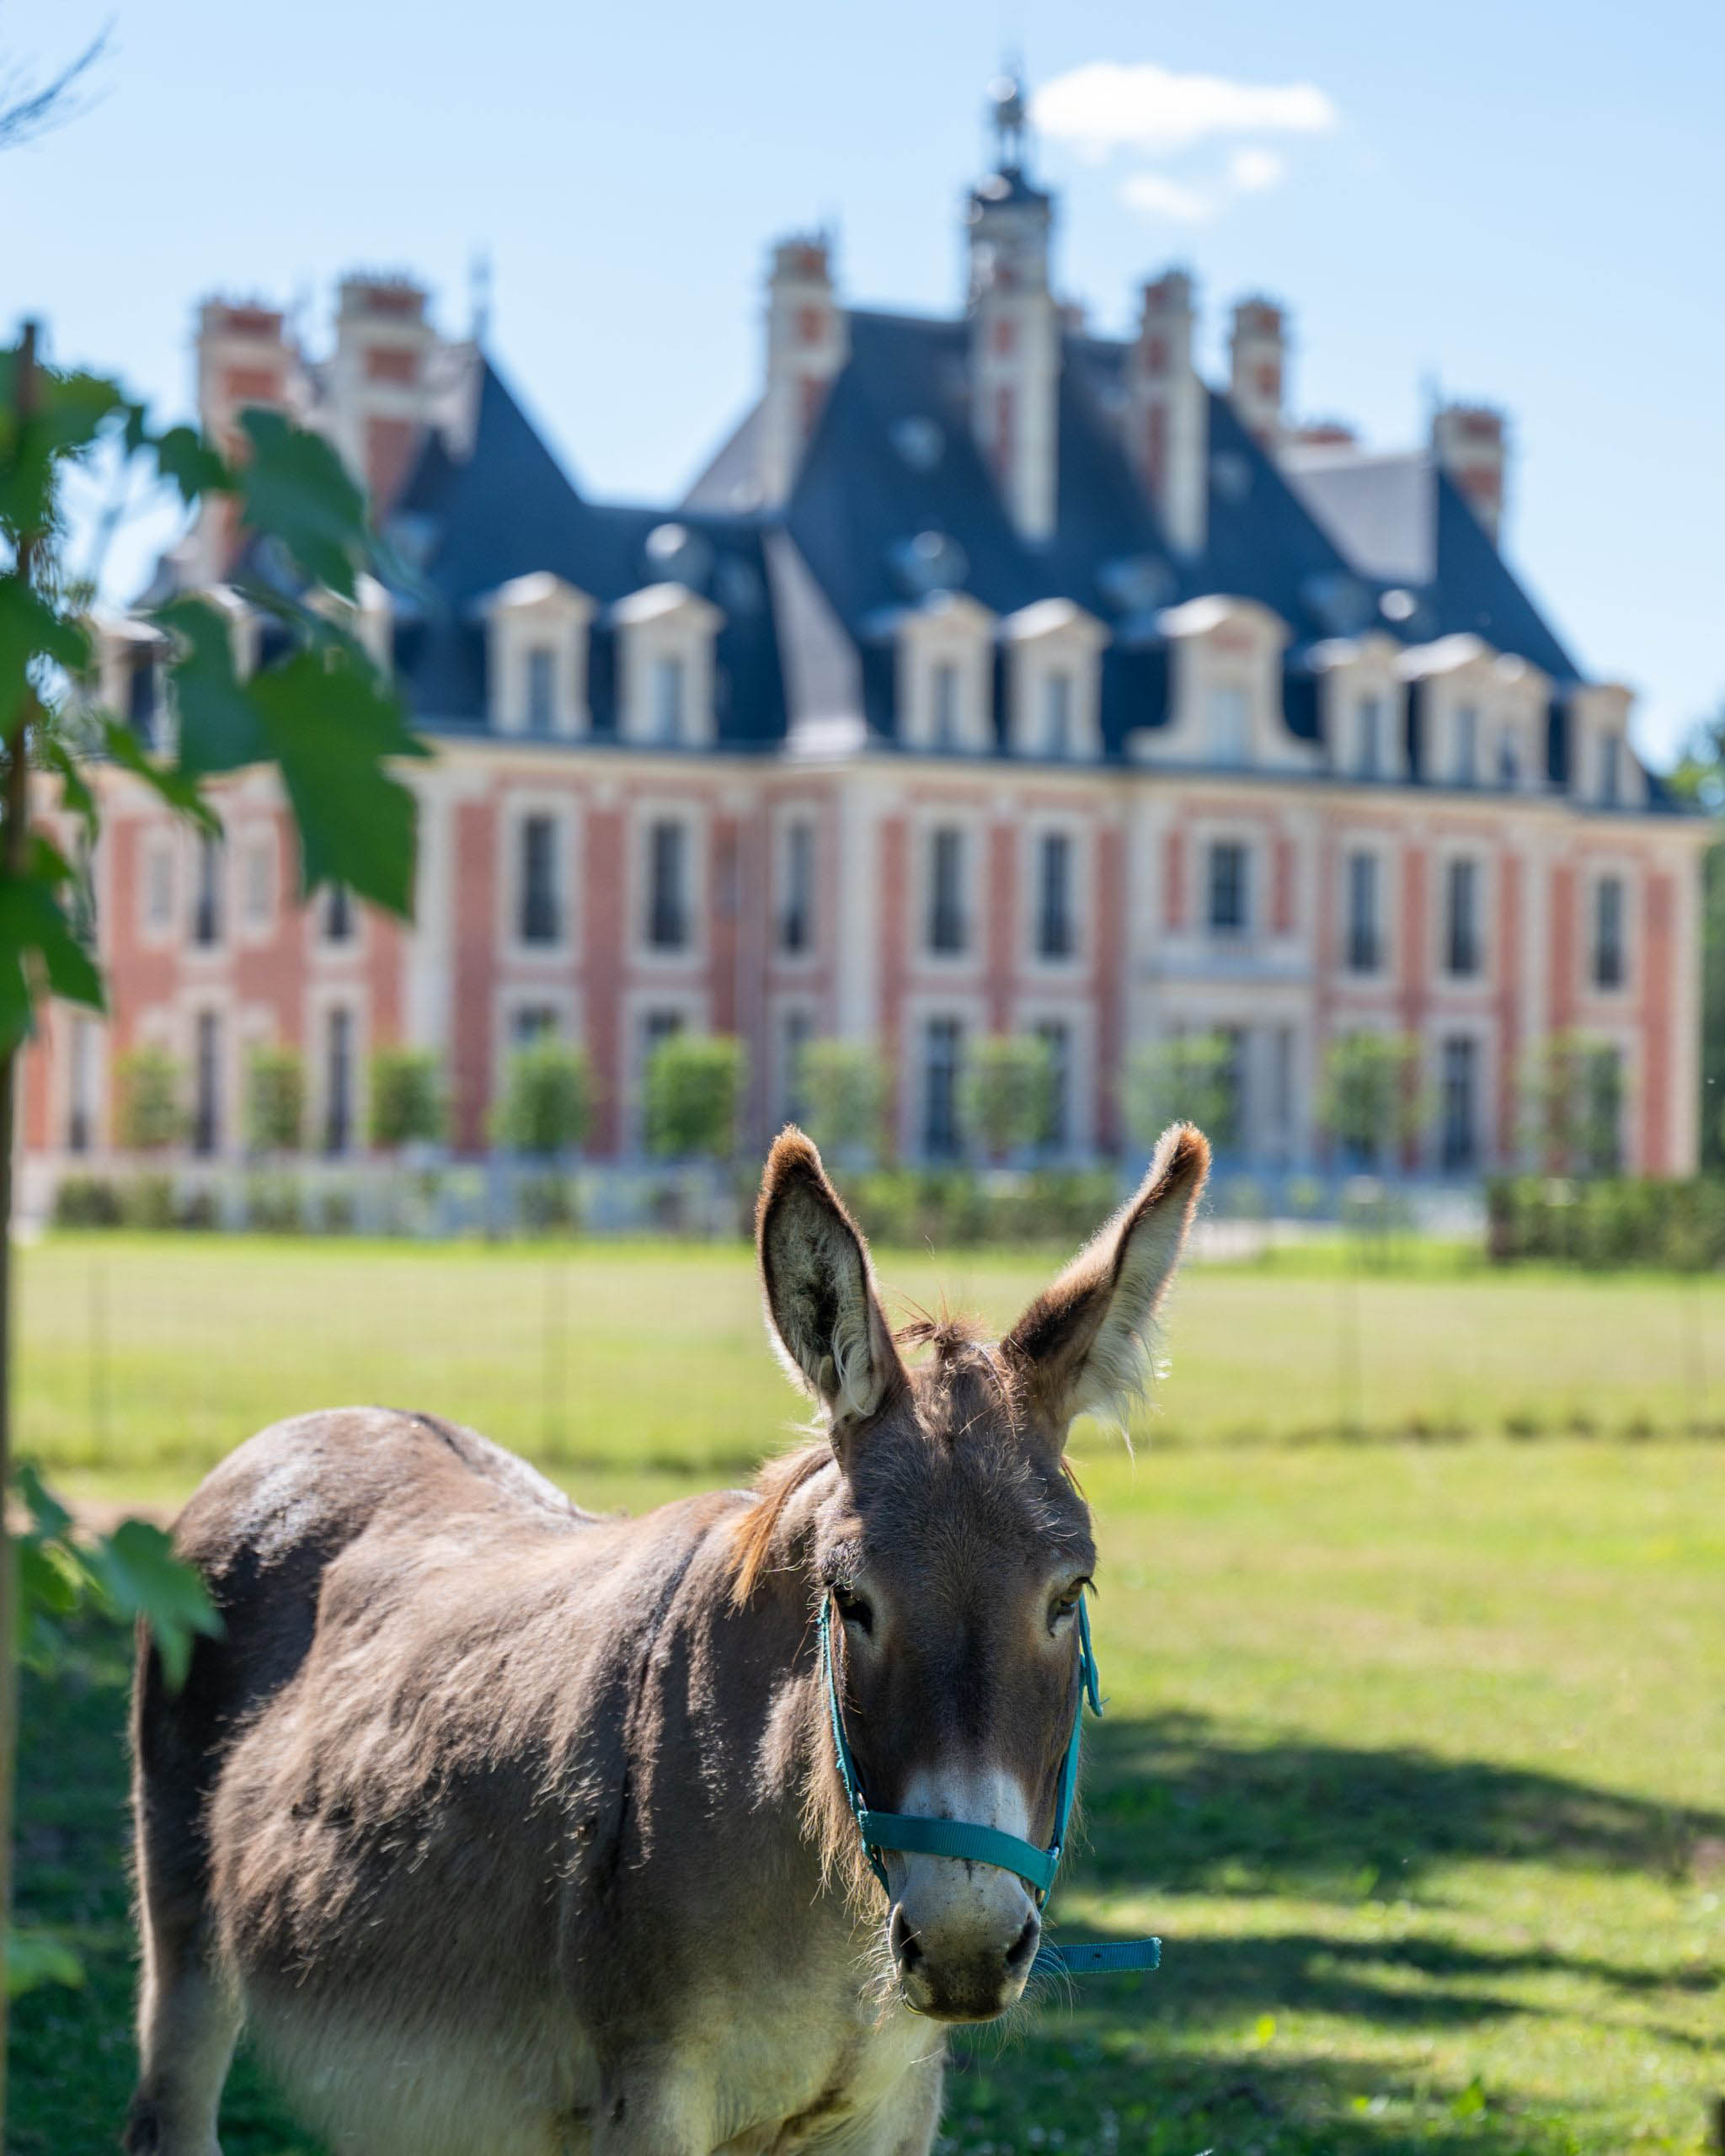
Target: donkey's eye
x=854 y=1609
x=1063 y=1607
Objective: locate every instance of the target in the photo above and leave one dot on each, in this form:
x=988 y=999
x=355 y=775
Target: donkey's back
x=362 y=1805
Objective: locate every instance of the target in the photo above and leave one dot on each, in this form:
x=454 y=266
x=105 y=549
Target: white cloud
x=1107 y=106
x=1253 y=170
x=1167 y=201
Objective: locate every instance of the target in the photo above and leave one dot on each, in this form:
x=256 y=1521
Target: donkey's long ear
x=821 y=1305
x=1084 y=1344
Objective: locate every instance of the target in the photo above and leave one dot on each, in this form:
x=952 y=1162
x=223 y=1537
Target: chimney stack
x=1470 y=441
x=1167 y=411
x=378 y=385
x=1257 y=357
x=806 y=346
x=244 y=359
x=1015 y=327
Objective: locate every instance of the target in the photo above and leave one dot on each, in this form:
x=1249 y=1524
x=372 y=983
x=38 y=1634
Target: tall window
x=81 y=1103
x=207 y=895
x=1609 y=968
x=1610 y=769
x=1364 y=941
x=943 y=1046
x=1228 y=898
x=532 y=1022
x=207 y=1083
x=670 y=694
x=141 y=702
x=1458 y=1126
x=943 y=693
x=1368 y=749
x=1461 y=947
x=796 y=920
x=1231 y=1087
x=1230 y=725
x=799 y=1031
x=1054 y=937
x=1602 y=1110
x=259 y=881
x=540 y=920
x=542 y=689
x=1509 y=757
x=338 y=914
x=946 y=890
x=1466 y=768
x=1057 y=713
x=1282 y=1082
x=338 y=1081
x=667 y=886
x=158 y=884
x=1056 y=1039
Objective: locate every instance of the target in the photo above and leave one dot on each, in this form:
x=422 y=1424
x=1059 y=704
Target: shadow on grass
x=1175 y=1806
x=1173 y=1801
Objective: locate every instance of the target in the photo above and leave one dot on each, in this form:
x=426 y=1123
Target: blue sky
x=1516 y=201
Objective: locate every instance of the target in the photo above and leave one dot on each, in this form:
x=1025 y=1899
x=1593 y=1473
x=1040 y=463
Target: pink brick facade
x=1144 y=960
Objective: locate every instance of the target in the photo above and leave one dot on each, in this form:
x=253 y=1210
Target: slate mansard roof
x=892 y=501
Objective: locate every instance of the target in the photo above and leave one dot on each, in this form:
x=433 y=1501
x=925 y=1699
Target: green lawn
x=1413 y=1750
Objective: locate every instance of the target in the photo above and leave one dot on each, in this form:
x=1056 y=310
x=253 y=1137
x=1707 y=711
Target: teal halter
x=959 y=1837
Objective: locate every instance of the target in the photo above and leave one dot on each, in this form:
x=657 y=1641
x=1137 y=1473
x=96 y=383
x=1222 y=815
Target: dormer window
x=944 y=704
x=1057 y=714
x=1230 y=724
x=537 y=630
x=1369 y=754
x=668 y=675
x=1509 y=758
x=1602 y=767
x=669 y=689
x=1053 y=680
x=542 y=689
x=1465 y=763
x=945 y=683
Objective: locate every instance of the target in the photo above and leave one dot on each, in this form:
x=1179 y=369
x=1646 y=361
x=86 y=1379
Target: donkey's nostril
x=1022 y=1949
x=907 y=1948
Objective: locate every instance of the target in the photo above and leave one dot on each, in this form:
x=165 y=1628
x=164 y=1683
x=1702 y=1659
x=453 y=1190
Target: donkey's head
x=955 y=1546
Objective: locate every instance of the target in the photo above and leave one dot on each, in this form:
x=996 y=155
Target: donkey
x=513 y=1830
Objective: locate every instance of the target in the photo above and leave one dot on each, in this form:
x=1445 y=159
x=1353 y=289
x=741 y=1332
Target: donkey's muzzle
x=954 y=1974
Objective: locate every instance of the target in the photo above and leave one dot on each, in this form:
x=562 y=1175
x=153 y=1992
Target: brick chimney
x=1015 y=327
x=244 y=359
x=807 y=343
x=1167 y=411
x=1257 y=365
x=377 y=385
x=1470 y=441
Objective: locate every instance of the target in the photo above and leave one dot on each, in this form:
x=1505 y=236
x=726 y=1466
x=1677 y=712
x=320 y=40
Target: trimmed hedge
x=954 y=1208
x=1615 y=1221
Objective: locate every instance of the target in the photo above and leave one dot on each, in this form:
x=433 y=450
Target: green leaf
x=31 y=629
x=75 y=795
x=36 y=941
x=141 y=1577
x=219 y=729
x=36 y=1958
x=183 y=455
x=179 y=789
x=47 y=1515
x=296 y=488
x=331 y=723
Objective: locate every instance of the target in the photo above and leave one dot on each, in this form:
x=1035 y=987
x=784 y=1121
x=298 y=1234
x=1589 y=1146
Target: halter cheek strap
x=916 y=1836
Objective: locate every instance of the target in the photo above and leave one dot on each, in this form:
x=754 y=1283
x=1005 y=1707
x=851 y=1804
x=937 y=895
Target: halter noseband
x=974 y=1844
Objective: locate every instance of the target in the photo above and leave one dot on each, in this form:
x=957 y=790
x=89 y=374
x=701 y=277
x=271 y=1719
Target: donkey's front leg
x=654 y=2102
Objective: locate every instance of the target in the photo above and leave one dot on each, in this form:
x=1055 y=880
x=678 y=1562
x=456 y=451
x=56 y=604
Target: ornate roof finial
x=479 y=295
x=1009 y=117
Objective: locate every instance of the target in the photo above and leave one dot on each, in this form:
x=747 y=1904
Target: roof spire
x=1009 y=117
x=479 y=294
